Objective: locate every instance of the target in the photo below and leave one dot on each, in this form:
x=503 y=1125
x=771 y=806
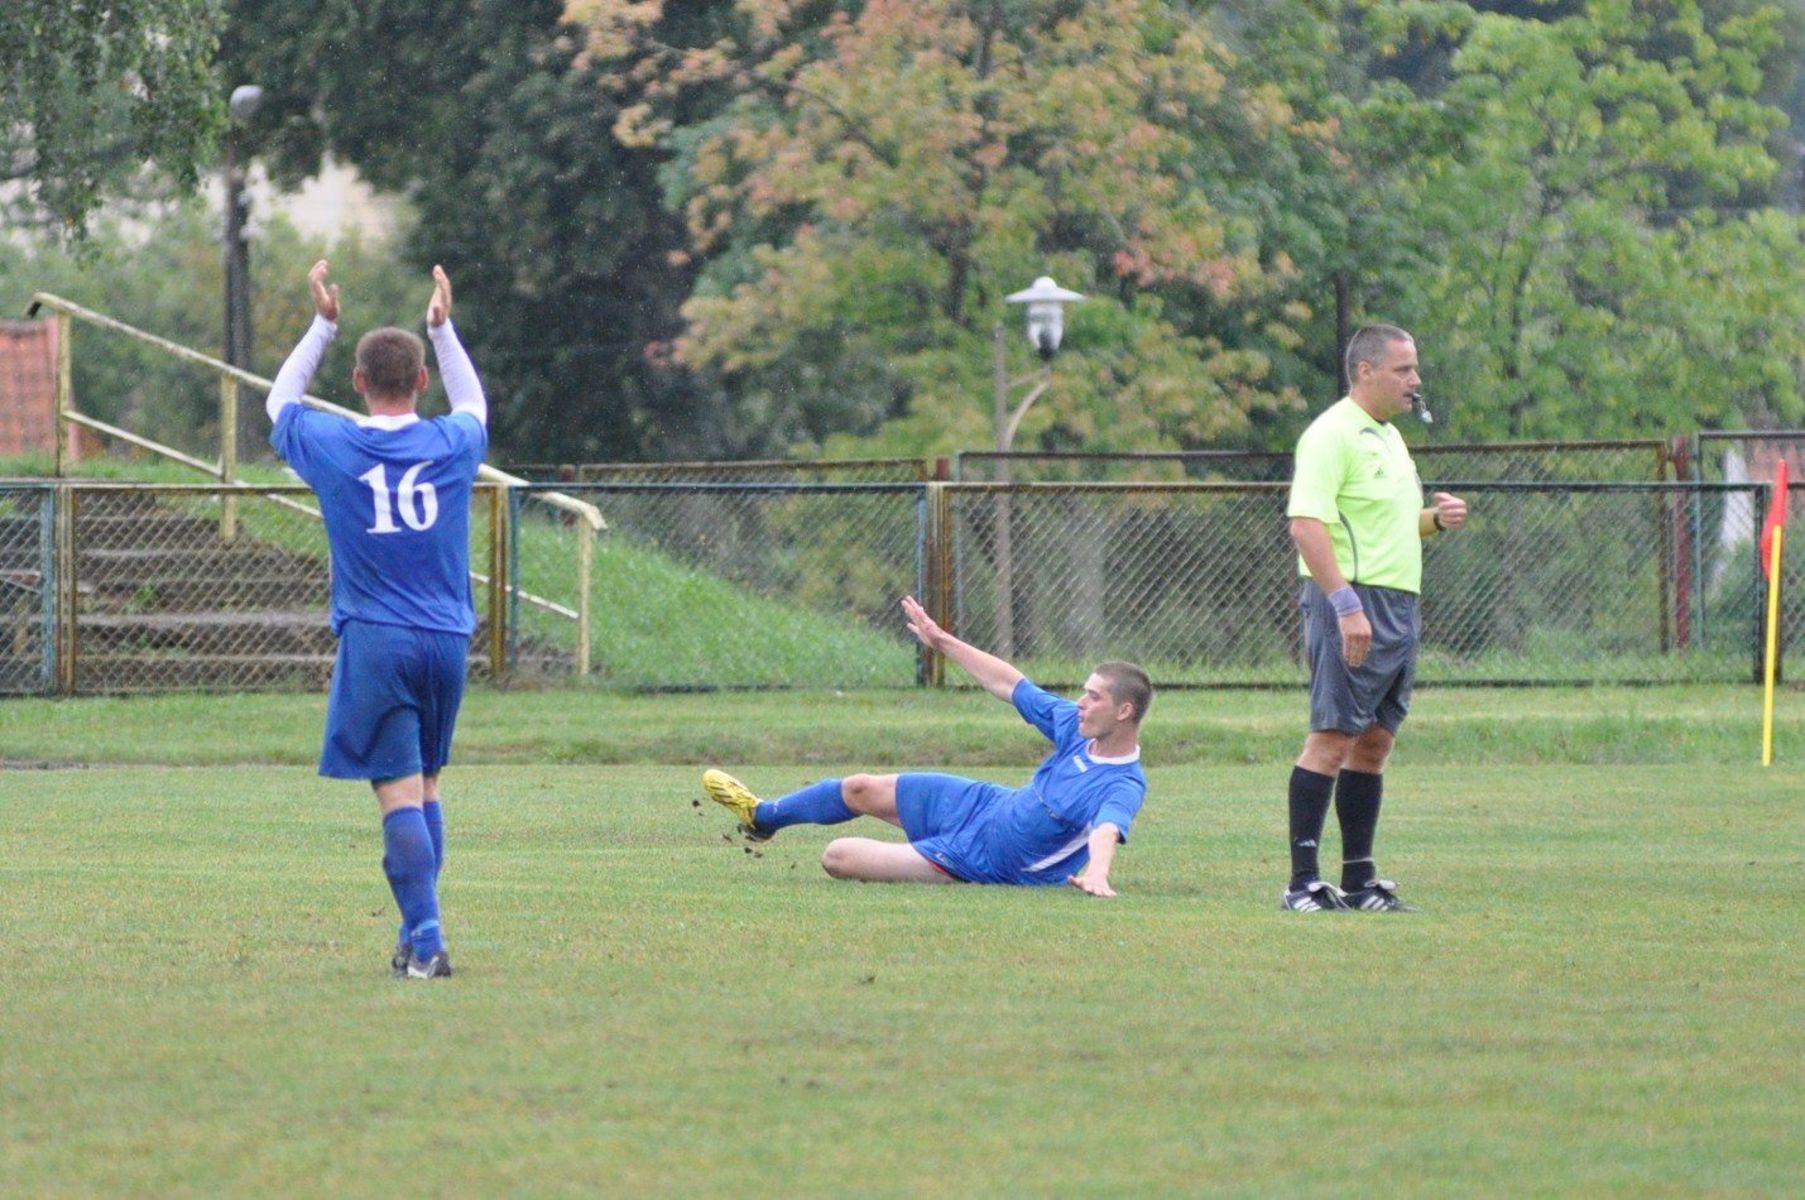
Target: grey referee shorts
x=1378 y=691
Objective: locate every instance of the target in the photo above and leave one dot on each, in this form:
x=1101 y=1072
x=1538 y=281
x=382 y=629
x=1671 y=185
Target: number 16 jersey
x=395 y=494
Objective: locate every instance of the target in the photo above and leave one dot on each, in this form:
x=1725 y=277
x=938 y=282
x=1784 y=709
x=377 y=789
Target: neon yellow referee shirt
x=1354 y=474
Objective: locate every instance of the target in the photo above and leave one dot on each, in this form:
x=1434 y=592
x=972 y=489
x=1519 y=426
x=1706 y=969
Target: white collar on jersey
x=1119 y=760
x=399 y=421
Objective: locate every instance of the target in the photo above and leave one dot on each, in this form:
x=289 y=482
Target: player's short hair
x=1368 y=345
x=1130 y=685
x=390 y=360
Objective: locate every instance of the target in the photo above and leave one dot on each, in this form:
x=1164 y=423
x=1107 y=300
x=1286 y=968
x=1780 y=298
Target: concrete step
x=208 y=593
x=102 y=567
x=216 y=633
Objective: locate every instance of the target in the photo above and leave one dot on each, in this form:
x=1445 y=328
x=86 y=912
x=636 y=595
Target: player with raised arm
x=1063 y=827
x=394 y=492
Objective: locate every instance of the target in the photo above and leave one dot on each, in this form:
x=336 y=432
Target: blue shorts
x=394 y=701
x=944 y=818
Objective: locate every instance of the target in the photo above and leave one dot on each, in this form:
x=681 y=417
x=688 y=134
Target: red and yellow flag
x=1776 y=519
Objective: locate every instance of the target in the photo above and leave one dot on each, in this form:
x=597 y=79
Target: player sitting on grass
x=1074 y=811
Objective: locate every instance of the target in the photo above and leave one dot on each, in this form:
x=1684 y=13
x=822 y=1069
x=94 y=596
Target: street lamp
x=235 y=253
x=1046 y=303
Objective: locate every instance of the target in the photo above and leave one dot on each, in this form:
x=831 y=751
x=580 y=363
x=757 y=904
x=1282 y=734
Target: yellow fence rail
x=225 y=469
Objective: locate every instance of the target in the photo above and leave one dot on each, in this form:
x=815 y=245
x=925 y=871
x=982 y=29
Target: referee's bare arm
x=992 y=673
x=1312 y=540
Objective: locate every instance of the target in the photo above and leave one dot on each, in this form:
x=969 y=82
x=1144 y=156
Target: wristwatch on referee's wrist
x=1436 y=517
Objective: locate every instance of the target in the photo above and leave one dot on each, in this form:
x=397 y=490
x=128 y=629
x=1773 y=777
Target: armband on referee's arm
x=1345 y=600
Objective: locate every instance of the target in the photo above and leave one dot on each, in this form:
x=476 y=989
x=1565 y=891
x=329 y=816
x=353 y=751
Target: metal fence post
x=66 y=611
x=65 y=391
x=49 y=592
x=1760 y=497
x=515 y=501
x=498 y=562
x=585 y=562
x=934 y=568
x=228 y=455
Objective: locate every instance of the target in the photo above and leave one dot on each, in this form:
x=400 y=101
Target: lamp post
x=1045 y=302
x=235 y=254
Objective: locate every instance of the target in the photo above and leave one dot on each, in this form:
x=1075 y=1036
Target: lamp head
x=1046 y=303
x=245 y=99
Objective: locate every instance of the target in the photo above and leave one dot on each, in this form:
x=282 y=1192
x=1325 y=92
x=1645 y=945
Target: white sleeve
x=292 y=380
x=462 y=387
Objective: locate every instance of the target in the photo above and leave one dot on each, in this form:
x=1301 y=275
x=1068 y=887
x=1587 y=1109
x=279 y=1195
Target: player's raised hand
x=325 y=298
x=438 y=309
x=924 y=627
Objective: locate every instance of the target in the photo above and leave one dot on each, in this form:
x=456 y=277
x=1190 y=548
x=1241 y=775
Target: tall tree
x=1620 y=163
x=554 y=231
x=92 y=92
x=890 y=171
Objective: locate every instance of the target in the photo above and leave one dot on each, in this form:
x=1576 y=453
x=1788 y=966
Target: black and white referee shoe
x=1319 y=895
x=1381 y=895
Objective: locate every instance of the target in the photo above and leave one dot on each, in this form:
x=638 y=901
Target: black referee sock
x=1357 y=796
x=1310 y=795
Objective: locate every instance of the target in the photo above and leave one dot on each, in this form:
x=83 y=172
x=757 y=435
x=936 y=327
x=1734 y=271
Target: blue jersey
x=395 y=494
x=1039 y=834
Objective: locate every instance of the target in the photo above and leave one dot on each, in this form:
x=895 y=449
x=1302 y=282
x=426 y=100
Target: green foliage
x=1598 y=274
x=552 y=230
x=91 y=92
x=165 y=278
x=889 y=173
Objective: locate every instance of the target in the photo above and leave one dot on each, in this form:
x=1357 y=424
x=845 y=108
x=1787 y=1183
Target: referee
x=1358 y=522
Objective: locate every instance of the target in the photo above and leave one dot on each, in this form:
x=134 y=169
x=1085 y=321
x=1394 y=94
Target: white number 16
x=413 y=495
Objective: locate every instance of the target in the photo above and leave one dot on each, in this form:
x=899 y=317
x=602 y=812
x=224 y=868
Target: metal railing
x=225 y=468
x=1624 y=461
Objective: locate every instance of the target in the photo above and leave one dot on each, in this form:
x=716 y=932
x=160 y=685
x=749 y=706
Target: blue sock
x=435 y=829
x=408 y=862
x=816 y=804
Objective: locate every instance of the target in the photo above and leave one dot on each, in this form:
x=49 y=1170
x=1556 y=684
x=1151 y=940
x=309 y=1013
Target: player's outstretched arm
x=992 y=673
x=1095 y=879
x=297 y=372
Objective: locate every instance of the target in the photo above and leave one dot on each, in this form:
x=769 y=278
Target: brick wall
x=27 y=387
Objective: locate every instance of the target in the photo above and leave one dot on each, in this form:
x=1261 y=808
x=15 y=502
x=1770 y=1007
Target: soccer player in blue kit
x=1063 y=827
x=394 y=492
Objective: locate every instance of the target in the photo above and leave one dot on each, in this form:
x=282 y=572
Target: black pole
x=236 y=258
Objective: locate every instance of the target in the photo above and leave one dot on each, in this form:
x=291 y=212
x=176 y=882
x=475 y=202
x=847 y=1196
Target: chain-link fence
x=709 y=585
x=138 y=588
x=27 y=588
x=820 y=470
x=697 y=585
x=1607 y=461
x=1549 y=583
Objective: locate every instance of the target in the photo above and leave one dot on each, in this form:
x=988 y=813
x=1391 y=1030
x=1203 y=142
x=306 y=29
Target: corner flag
x=1773 y=542
x=1776 y=521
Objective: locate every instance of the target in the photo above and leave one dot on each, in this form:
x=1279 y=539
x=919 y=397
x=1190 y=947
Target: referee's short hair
x=390 y=360
x=1368 y=346
x=1130 y=685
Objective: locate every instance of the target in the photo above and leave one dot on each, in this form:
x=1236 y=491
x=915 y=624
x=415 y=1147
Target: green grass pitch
x=1602 y=996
